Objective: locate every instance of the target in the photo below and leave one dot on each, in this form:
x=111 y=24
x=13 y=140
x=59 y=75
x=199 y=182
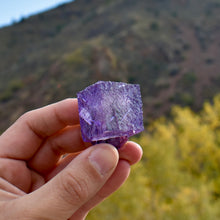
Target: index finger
x=25 y=136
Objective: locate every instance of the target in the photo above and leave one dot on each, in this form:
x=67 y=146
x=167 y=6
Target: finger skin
x=69 y=140
x=26 y=203
x=10 y=188
x=59 y=187
x=16 y=172
x=119 y=176
x=72 y=187
x=131 y=151
x=129 y=154
x=25 y=136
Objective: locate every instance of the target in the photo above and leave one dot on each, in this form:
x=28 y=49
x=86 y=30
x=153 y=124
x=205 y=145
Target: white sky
x=13 y=10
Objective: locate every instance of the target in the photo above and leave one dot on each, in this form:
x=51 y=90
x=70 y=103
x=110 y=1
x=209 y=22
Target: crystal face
x=110 y=112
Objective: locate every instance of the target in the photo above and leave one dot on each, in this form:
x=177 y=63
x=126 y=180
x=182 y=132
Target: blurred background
x=50 y=51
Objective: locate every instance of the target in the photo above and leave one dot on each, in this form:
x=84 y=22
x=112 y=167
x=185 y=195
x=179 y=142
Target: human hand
x=38 y=182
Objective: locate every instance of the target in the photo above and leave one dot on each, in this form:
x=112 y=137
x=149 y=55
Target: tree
x=179 y=175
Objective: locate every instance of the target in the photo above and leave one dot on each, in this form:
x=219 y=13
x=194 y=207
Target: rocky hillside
x=171 y=48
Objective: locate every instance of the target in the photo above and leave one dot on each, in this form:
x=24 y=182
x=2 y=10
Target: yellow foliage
x=211 y=113
x=179 y=175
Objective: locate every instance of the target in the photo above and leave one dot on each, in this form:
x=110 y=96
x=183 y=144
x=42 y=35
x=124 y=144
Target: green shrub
x=154 y=26
x=179 y=175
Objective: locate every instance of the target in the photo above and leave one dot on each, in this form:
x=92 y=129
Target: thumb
x=75 y=185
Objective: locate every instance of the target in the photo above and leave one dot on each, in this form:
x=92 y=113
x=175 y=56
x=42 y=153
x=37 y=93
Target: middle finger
x=69 y=140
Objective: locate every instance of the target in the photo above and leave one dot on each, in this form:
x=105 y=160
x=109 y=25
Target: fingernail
x=104 y=159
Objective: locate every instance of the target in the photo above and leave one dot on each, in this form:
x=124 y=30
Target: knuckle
x=76 y=189
x=25 y=116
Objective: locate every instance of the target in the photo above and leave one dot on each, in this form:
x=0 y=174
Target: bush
x=179 y=175
x=6 y=96
x=13 y=86
x=154 y=26
x=188 y=80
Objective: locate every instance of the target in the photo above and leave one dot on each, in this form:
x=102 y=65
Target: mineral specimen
x=110 y=112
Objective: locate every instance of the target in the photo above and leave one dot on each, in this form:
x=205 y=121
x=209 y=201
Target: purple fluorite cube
x=110 y=112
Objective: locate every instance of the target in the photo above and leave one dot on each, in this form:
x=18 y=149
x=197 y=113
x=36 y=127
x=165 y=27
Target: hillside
x=170 y=47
